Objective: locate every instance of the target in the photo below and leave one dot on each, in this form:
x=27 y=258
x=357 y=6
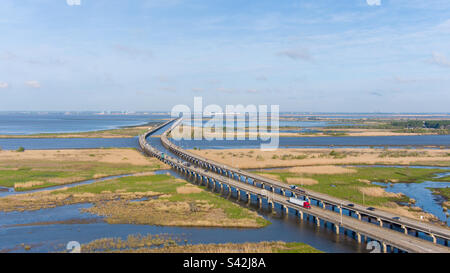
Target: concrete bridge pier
x=249 y=198
x=359 y=215
x=238 y=194
x=358 y=237
x=221 y=188
x=300 y=214
x=324 y=206
x=384 y=247
x=317 y=221
x=380 y=222
x=259 y=200
x=433 y=237
x=336 y=227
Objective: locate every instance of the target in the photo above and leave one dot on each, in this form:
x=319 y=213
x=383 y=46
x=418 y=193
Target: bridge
x=363 y=225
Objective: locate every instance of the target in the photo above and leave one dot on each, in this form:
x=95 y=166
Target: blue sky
x=305 y=55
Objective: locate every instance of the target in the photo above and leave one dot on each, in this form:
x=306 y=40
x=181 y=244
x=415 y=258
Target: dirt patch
x=365 y=181
x=130 y=156
x=378 y=192
x=188 y=189
x=327 y=169
x=414 y=212
x=301 y=181
x=27 y=185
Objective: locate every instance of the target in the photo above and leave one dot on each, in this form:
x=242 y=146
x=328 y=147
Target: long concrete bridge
x=329 y=211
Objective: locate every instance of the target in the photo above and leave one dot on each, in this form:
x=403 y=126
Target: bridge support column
x=384 y=247
x=336 y=227
x=300 y=213
x=434 y=238
x=286 y=210
x=238 y=194
x=359 y=216
x=324 y=206
x=317 y=221
x=259 y=202
x=249 y=198
x=221 y=188
x=214 y=185
x=380 y=222
x=358 y=237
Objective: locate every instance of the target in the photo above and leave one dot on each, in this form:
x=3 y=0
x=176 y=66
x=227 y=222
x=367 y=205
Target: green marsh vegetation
x=347 y=185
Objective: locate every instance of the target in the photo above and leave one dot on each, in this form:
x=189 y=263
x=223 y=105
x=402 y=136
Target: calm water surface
x=34 y=123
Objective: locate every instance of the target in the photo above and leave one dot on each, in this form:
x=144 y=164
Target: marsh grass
x=347 y=185
x=164 y=243
x=173 y=207
x=387 y=153
x=53 y=173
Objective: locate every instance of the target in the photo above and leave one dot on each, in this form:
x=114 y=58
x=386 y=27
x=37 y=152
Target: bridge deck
x=386 y=236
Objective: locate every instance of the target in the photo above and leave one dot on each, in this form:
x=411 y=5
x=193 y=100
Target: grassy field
x=179 y=204
x=40 y=169
x=38 y=175
x=166 y=244
x=348 y=185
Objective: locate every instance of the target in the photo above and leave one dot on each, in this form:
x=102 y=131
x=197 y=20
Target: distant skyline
x=148 y=55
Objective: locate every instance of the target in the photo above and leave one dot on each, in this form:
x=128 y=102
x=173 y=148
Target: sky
x=149 y=55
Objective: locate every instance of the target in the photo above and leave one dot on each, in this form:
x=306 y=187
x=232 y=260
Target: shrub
x=21 y=149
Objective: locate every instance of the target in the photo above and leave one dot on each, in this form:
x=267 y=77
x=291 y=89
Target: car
x=351 y=205
x=293 y=187
x=396 y=218
x=371 y=208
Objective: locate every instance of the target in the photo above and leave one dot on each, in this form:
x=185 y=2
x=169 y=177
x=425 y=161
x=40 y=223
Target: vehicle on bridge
x=296 y=189
x=299 y=202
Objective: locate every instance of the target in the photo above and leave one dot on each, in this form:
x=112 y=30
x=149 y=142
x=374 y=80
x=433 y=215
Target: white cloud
x=262 y=78
x=4 y=85
x=134 y=53
x=373 y=2
x=440 y=59
x=33 y=84
x=297 y=54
